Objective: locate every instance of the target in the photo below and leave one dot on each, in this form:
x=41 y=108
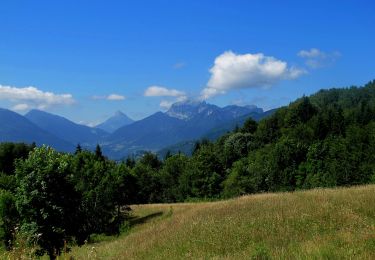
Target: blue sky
x=87 y=59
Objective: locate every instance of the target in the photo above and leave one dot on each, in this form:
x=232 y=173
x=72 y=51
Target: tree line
x=52 y=198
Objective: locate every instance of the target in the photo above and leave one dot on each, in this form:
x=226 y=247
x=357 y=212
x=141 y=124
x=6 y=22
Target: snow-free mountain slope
x=65 y=129
x=17 y=128
x=115 y=122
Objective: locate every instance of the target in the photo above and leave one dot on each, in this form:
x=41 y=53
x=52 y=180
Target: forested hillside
x=51 y=198
x=324 y=140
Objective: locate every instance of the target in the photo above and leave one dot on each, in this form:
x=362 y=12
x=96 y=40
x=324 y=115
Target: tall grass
x=316 y=224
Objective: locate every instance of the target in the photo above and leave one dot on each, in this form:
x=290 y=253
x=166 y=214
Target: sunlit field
x=316 y=224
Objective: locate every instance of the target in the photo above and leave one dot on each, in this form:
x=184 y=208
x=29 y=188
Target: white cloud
x=111 y=97
x=238 y=71
x=33 y=97
x=165 y=104
x=115 y=97
x=181 y=98
x=20 y=107
x=312 y=53
x=158 y=91
x=315 y=58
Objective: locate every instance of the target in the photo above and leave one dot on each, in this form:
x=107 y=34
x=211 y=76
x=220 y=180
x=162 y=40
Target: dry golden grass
x=315 y=224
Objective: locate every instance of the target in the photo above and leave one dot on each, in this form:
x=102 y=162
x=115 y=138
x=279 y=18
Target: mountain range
x=188 y=120
x=120 y=136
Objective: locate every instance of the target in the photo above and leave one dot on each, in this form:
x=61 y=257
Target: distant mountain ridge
x=184 y=121
x=187 y=146
x=187 y=110
x=118 y=120
x=17 y=128
x=66 y=129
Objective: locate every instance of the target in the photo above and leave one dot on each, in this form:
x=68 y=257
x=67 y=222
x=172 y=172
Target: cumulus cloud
x=315 y=58
x=173 y=95
x=111 y=97
x=31 y=97
x=239 y=71
x=158 y=91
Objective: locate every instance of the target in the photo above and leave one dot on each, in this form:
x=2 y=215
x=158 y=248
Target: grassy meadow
x=316 y=224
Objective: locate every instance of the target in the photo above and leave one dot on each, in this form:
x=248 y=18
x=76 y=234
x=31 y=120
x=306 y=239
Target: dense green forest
x=49 y=198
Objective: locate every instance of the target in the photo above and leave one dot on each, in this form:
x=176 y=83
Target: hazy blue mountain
x=204 y=117
x=145 y=134
x=187 y=146
x=17 y=128
x=237 y=111
x=66 y=129
x=115 y=122
x=188 y=120
x=184 y=122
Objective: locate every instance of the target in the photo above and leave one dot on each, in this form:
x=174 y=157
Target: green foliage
x=101 y=185
x=250 y=126
x=204 y=174
x=58 y=198
x=9 y=152
x=236 y=146
x=239 y=181
x=299 y=112
x=148 y=183
x=8 y=218
x=98 y=152
x=46 y=199
x=8 y=182
x=171 y=179
x=151 y=160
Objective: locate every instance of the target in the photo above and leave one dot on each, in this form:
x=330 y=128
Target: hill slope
x=315 y=224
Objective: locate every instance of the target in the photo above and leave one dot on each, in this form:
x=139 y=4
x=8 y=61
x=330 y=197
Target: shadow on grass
x=133 y=221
